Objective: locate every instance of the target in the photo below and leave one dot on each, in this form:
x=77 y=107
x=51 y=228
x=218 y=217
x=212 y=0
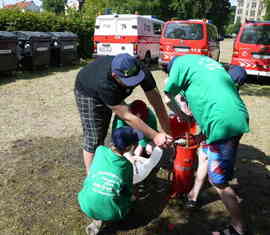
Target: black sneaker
x=190 y=204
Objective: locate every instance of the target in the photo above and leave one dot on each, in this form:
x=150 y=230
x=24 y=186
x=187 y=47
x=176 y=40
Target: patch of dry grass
x=41 y=169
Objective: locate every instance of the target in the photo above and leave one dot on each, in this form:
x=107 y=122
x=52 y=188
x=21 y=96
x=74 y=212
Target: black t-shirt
x=95 y=80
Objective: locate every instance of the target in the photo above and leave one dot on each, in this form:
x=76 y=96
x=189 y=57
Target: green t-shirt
x=107 y=190
x=211 y=94
x=151 y=121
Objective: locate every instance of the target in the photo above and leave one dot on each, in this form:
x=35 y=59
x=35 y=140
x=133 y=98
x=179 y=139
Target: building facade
x=24 y=6
x=249 y=10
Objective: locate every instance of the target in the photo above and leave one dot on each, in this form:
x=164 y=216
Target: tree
x=92 y=8
x=191 y=9
x=267 y=13
x=55 y=6
x=81 y=2
x=158 y=8
x=220 y=14
x=233 y=28
x=218 y=11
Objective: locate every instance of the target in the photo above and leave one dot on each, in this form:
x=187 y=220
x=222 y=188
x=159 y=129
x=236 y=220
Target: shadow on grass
x=253 y=88
x=6 y=78
x=142 y=213
x=252 y=185
x=40 y=179
x=155 y=66
x=253 y=174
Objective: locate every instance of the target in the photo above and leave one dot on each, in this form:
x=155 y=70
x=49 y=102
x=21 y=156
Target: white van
x=137 y=35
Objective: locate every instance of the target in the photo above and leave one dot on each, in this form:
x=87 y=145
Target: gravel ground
x=41 y=167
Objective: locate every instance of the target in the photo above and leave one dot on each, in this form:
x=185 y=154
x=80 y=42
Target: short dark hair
x=126 y=136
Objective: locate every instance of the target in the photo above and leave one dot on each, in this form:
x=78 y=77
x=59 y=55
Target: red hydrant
x=185 y=156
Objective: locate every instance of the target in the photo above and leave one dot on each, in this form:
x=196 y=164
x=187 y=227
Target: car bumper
x=258 y=73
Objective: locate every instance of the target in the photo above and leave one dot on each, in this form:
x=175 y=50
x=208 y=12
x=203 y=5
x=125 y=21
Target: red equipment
x=185 y=156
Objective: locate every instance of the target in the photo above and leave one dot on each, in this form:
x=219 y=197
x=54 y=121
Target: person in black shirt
x=101 y=88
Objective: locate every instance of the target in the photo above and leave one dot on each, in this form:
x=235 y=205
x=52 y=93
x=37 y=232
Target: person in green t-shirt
x=107 y=190
x=222 y=117
x=140 y=109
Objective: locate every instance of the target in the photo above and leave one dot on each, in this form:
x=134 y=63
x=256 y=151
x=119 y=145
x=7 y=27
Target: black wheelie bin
x=8 y=57
x=34 y=49
x=64 y=48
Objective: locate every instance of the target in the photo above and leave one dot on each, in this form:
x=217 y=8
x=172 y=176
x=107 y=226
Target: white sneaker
x=93 y=228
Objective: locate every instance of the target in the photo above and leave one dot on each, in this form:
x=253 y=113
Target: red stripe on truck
x=126 y=39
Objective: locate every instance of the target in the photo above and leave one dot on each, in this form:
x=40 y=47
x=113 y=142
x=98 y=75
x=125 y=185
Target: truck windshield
x=256 y=34
x=184 y=31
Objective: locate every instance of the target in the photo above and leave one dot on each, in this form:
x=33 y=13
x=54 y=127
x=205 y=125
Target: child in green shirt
x=140 y=109
x=107 y=190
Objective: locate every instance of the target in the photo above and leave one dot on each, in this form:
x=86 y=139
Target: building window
x=239 y=11
x=240 y=3
x=254 y=4
x=252 y=13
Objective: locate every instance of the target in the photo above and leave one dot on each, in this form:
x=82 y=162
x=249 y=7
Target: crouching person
x=142 y=111
x=107 y=190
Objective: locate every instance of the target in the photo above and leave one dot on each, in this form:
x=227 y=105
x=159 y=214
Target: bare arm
x=155 y=100
x=160 y=139
x=132 y=120
x=174 y=106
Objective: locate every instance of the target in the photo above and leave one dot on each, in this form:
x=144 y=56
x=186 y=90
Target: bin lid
x=27 y=35
x=7 y=35
x=63 y=35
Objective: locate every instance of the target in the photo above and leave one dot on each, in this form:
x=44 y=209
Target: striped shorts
x=221 y=159
x=95 y=119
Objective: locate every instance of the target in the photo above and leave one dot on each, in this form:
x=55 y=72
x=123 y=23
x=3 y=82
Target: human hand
x=163 y=140
x=149 y=149
x=138 y=151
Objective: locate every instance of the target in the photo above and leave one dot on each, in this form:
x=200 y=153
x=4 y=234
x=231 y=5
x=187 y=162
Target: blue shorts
x=221 y=159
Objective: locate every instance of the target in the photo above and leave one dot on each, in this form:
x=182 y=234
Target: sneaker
x=93 y=228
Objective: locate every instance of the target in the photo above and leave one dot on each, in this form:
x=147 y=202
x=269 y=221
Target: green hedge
x=15 y=20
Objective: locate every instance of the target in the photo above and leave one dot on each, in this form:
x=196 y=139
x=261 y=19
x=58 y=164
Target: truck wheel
x=147 y=60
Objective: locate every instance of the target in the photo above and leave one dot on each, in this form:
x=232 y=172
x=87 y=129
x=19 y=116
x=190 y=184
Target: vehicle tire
x=147 y=59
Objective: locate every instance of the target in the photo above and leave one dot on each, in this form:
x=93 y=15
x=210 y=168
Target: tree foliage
x=267 y=13
x=217 y=11
x=158 y=8
x=233 y=28
x=220 y=14
x=190 y=9
x=55 y=6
